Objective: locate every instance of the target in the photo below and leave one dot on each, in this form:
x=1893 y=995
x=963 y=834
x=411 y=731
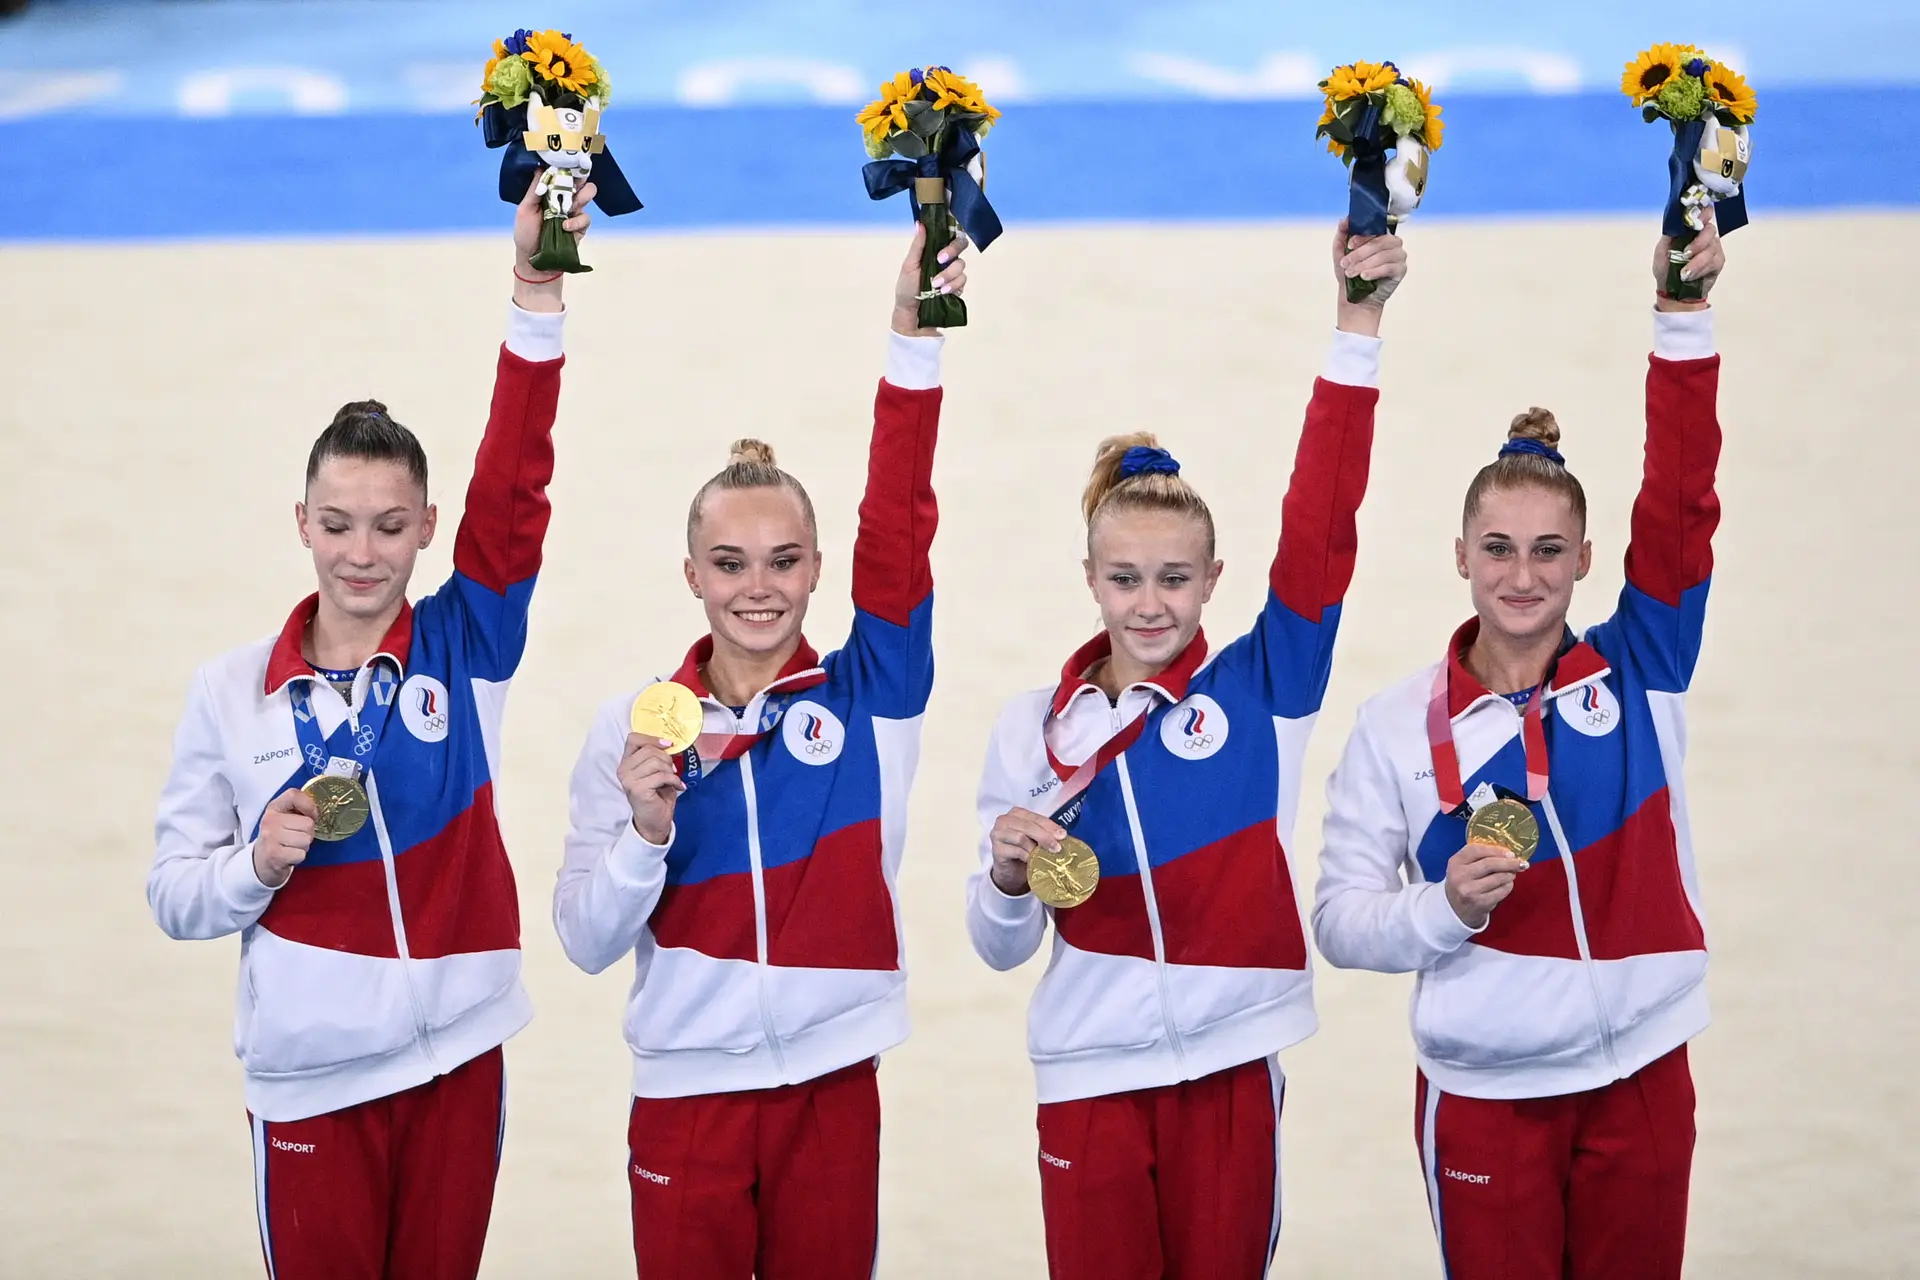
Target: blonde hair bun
x=752 y=453
x=1535 y=424
x=1106 y=467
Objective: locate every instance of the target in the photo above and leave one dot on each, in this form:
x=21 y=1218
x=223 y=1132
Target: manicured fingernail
x=666 y=742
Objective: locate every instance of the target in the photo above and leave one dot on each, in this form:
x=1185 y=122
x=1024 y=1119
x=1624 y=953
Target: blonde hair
x=750 y=465
x=1158 y=488
x=1530 y=458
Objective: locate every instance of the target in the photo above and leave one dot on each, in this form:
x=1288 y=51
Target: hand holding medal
x=665 y=722
x=1031 y=852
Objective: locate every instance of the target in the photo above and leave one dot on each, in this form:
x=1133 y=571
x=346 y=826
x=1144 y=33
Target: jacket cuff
x=535 y=335
x=913 y=364
x=1003 y=908
x=1438 y=923
x=1683 y=335
x=240 y=884
x=633 y=854
x=1353 y=360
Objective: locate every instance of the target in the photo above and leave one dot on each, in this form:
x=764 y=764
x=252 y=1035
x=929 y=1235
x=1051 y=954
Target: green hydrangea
x=879 y=148
x=1681 y=98
x=1403 y=113
x=602 y=87
x=511 y=81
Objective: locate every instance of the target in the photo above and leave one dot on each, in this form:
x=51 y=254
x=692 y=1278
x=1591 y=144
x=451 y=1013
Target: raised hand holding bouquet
x=541 y=97
x=923 y=133
x=1383 y=126
x=1709 y=106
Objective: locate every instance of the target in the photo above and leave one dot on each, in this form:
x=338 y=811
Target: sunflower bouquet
x=922 y=134
x=1709 y=106
x=541 y=96
x=1383 y=126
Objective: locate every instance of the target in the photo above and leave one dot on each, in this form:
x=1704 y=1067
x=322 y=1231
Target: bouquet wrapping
x=540 y=98
x=923 y=134
x=1709 y=106
x=1383 y=126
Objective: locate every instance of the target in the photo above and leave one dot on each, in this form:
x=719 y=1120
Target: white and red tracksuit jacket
x=766 y=932
x=1595 y=964
x=393 y=956
x=1191 y=957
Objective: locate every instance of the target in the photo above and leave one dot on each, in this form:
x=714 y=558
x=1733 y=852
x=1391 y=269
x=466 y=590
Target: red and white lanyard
x=710 y=749
x=1446 y=757
x=1079 y=777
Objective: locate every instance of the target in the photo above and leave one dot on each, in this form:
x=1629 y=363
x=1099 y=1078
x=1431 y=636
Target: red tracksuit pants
x=1180 y=1182
x=1585 y=1186
x=779 y=1184
x=399 y=1188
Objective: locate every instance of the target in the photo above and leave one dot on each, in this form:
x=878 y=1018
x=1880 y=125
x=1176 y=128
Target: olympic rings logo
x=1198 y=742
x=362 y=740
x=1596 y=719
x=821 y=747
x=316 y=757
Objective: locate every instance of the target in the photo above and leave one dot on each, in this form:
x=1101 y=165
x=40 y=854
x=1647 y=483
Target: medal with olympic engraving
x=670 y=712
x=1067 y=878
x=1507 y=824
x=342 y=805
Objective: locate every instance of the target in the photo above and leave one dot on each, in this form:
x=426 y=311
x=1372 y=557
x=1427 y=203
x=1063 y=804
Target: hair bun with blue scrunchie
x=1145 y=460
x=1535 y=432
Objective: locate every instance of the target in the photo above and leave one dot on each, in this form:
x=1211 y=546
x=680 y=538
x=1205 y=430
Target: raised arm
x=1290 y=649
x=496 y=553
x=1670 y=552
x=892 y=642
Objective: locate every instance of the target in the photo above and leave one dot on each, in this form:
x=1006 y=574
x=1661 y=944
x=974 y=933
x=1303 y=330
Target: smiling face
x=1150 y=572
x=754 y=562
x=366 y=521
x=1521 y=554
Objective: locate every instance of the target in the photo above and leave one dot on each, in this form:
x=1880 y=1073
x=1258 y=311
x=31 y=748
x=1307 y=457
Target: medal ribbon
x=1079 y=777
x=368 y=723
x=1446 y=758
x=711 y=748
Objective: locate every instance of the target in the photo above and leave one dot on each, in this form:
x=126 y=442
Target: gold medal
x=342 y=803
x=1506 y=824
x=1064 y=879
x=669 y=712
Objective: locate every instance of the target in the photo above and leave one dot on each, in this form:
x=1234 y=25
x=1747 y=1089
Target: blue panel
x=161 y=176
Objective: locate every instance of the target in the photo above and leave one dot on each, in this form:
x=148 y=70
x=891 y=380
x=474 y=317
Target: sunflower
x=1326 y=118
x=888 y=113
x=559 y=61
x=1729 y=89
x=1430 y=136
x=499 y=52
x=1647 y=74
x=952 y=89
x=1357 y=79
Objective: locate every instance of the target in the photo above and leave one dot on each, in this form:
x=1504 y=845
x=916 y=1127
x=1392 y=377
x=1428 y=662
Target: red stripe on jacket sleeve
x=507 y=511
x=891 y=572
x=1671 y=548
x=1318 y=537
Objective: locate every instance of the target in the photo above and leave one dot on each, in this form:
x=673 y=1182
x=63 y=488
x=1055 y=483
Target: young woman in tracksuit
x=1555 y=997
x=752 y=878
x=379 y=972
x=1154 y=1032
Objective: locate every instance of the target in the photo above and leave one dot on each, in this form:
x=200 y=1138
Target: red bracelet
x=525 y=280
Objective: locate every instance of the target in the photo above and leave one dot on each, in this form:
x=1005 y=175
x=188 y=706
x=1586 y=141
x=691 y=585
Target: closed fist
x=1479 y=878
x=286 y=833
x=653 y=788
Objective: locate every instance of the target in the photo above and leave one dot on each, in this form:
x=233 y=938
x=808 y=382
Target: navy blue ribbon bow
x=1367 y=184
x=1729 y=214
x=970 y=208
x=503 y=127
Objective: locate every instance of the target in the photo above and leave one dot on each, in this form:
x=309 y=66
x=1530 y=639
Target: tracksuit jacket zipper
x=1152 y=902
x=759 y=902
x=420 y=1027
